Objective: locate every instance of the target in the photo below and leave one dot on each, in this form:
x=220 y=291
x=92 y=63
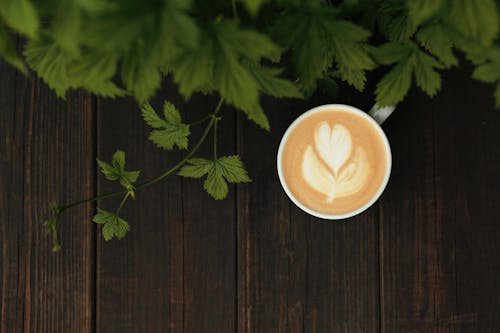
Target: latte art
x=334 y=161
x=337 y=169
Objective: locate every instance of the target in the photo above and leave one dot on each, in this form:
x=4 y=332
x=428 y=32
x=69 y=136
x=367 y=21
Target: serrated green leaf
x=271 y=84
x=420 y=10
x=113 y=225
x=409 y=60
x=21 y=15
x=196 y=168
x=219 y=172
x=171 y=113
x=118 y=160
x=233 y=170
x=169 y=131
x=425 y=75
x=489 y=72
x=9 y=53
x=116 y=170
x=478 y=19
x=394 y=85
x=217 y=63
x=257 y=115
x=318 y=39
x=151 y=117
x=436 y=39
x=215 y=185
x=140 y=76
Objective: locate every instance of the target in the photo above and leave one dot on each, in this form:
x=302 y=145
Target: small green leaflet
x=116 y=170
x=168 y=131
x=437 y=39
x=219 y=172
x=410 y=60
x=113 y=225
x=21 y=15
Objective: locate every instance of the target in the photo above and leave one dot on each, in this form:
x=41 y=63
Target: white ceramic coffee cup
x=376 y=116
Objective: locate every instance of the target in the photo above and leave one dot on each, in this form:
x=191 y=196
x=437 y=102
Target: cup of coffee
x=334 y=161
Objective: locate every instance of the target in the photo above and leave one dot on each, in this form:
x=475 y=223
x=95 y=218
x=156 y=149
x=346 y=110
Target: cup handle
x=380 y=114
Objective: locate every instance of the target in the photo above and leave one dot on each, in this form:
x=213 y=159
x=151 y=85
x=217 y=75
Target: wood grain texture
x=209 y=234
x=47 y=148
x=135 y=274
x=439 y=260
x=297 y=273
x=467 y=147
x=409 y=255
x=175 y=270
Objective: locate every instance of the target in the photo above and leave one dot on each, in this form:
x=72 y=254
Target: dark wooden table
x=425 y=258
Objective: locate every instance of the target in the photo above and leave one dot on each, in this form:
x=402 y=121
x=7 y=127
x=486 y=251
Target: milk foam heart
x=338 y=169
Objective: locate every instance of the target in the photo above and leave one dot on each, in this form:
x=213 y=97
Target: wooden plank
x=174 y=271
x=209 y=236
x=410 y=295
x=133 y=274
x=47 y=152
x=467 y=176
x=295 y=273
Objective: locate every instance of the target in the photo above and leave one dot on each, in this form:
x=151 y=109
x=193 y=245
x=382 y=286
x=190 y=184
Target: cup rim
x=381 y=187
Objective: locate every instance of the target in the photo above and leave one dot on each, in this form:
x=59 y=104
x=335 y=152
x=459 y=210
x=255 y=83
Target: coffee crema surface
x=334 y=161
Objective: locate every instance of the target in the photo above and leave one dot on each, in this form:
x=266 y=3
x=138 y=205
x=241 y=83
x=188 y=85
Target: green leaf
x=478 y=19
x=437 y=40
x=257 y=115
x=394 y=85
x=197 y=168
x=21 y=15
x=113 y=225
x=425 y=74
x=169 y=131
x=271 y=84
x=9 y=53
x=116 y=170
x=488 y=72
x=61 y=71
x=253 y=6
x=410 y=60
x=219 y=63
x=420 y=10
x=318 y=39
x=219 y=172
x=310 y=57
x=233 y=170
x=140 y=75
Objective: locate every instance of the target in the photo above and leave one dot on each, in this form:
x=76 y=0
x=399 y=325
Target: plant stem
x=122 y=203
x=199 y=121
x=215 y=138
x=158 y=178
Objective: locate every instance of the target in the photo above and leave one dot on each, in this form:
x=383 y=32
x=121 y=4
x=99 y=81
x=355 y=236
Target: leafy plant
x=239 y=50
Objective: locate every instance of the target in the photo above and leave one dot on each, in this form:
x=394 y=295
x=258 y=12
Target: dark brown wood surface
x=425 y=258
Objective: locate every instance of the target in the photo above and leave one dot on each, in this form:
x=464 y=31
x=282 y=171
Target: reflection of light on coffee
x=331 y=168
